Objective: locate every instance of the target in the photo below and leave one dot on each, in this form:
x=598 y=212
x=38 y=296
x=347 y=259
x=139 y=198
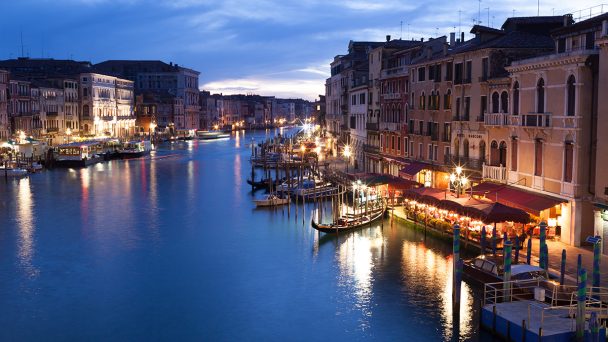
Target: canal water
x=170 y=247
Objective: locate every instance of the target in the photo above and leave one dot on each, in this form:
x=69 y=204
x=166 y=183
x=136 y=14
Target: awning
x=514 y=197
x=412 y=169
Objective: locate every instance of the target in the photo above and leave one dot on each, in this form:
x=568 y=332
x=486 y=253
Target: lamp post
x=346 y=154
x=458 y=180
x=152 y=130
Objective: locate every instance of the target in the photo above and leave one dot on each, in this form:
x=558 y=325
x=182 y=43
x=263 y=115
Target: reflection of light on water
x=237 y=176
x=237 y=140
x=153 y=206
x=25 y=206
x=356 y=259
x=427 y=273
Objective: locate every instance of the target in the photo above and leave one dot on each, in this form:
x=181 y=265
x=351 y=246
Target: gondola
x=261 y=184
x=350 y=222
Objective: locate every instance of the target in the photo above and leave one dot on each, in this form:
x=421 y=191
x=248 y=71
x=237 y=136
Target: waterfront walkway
x=555 y=255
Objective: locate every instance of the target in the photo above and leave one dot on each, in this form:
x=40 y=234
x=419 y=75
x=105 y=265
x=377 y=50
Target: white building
x=107 y=106
x=359 y=102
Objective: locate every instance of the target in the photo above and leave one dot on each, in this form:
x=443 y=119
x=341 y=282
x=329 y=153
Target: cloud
x=280 y=87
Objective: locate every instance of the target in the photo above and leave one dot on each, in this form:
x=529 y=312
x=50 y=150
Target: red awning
x=514 y=197
x=412 y=169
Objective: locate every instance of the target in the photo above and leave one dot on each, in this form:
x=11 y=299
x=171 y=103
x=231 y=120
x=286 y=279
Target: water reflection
x=25 y=223
x=423 y=280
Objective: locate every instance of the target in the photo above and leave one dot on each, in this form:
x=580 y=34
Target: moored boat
x=261 y=184
x=350 y=222
x=271 y=200
x=211 y=135
x=136 y=149
x=12 y=172
x=78 y=154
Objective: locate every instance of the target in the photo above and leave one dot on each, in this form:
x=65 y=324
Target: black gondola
x=349 y=223
x=261 y=184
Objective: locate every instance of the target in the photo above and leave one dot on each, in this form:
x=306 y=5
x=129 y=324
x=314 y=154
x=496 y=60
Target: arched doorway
x=502 y=153
x=494 y=154
x=482 y=151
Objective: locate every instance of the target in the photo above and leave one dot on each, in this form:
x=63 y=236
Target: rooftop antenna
x=537 y=8
x=493 y=17
x=488 y=8
x=408 y=31
x=401 y=34
x=513 y=13
x=479 y=12
x=22 y=53
x=459 y=22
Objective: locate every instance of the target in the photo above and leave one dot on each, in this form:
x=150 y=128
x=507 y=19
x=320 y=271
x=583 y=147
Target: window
x=538 y=157
x=449 y=71
x=568 y=161
x=484 y=68
x=458 y=73
x=540 y=96
x=469 y=71
x=514 y=154
x=421 y=104
x=561 y=45
x=419 y=150
x=504 y=102
x=354 y=100
x=392 y=142
x=431 y=72
x=447 y=132
x=421 y=74
x=447 y=100
x=467 y=108
x=362 y=98
x=405 y=145
x=430 y=154
x=483 y=107
x=85 y=110
x=465 y=148
x=85 y=92
x=398 y=144
x=458 y=108
x=495 y=102
x=411 y=150
x=435 y=152
x=571 y=96
x=516 y=98
x=502 y=154
x=420 y=127
x=590 y=40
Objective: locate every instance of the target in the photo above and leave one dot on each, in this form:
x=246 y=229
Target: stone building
x=4 y=121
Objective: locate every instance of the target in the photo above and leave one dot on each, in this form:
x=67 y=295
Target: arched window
x=422 y=101
x=85 y=110
x=495 y=103
x=540 y=96
x=571 y=96
x=482 y=151
x=456 y=147
x=502 y=154
x=447 y=100
x=465 y=148
x=494 y=154
x=514 y=154
x=504 y=102
x=516 y=98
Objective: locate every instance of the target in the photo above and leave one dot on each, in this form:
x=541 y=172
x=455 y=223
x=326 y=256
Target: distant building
x=4 y=121
x=107 y=105
x=156 y=77
x=20 y=106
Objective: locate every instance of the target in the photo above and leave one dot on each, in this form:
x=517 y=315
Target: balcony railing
x=393 y=96
x=396 y=71
x=465 y=162
x=536 y=120
x=496 y=119
x=51 y=113
x=371 y=149
x=495 y=173
x=371 y=126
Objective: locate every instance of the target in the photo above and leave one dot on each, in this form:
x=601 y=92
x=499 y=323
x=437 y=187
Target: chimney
x=604 y=28
x=452 y=38
x=567 y=20
x=388 y=37
x=457 y=41
x=429 y=52
x=445 y=49
x=462 y=37
x=421 y=39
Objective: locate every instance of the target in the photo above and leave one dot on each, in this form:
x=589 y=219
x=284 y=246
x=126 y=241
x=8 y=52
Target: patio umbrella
x=497 y=212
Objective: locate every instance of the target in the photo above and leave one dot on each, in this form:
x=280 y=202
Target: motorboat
x=211 y=135
x=136 y=149
x=271 y=200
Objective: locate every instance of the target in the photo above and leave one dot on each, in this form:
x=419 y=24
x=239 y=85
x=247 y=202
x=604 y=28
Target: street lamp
x=458 y=180
x=152 y=129
x=346 y=154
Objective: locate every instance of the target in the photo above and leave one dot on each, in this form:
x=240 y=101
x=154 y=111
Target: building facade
x=4 y=121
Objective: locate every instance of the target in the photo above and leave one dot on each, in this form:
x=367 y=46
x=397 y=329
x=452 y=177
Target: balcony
x=393 y=96
x=496 y=119
x=372 y=126
x=536 y=120
x=371 y=149
x=465 y=162
x=51 y=114
x=52 y=130
x=395 y=71
x=495 y=173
